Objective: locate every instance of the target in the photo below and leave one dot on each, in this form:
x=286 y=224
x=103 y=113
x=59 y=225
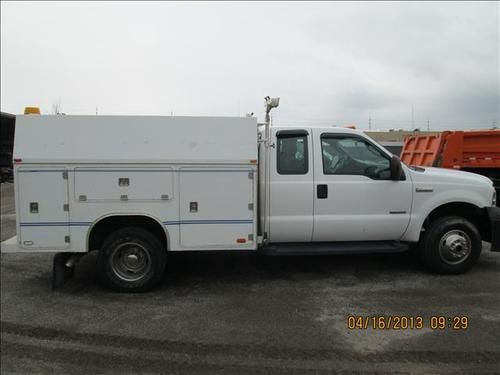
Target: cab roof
x=332 y=129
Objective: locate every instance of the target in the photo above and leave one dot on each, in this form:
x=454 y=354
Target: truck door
x=354 y=198
x=291 y=187
x=42 y=206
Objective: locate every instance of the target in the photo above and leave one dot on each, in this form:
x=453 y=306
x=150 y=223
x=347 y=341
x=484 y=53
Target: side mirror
x=396 y=168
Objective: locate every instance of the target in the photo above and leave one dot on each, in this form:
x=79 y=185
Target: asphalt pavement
x=247 y=313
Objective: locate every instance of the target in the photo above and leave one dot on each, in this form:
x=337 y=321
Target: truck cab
x=331 y=189
x=335 y=184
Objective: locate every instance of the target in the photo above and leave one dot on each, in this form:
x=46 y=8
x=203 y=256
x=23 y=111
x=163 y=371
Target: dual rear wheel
x=132 y=260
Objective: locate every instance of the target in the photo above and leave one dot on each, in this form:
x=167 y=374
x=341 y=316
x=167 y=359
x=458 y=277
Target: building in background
x=7 y=126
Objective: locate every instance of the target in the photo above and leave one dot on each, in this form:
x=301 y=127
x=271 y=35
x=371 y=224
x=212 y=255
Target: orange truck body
x=454 y=149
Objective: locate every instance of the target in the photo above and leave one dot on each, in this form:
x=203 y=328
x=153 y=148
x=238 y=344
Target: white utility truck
x=136 y=187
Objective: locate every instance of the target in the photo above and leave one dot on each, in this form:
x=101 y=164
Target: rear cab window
x=292 y=152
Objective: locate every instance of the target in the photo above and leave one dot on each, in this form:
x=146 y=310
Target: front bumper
x=493 y=216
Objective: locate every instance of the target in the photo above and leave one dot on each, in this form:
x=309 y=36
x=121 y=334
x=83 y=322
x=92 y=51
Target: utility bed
x=194 y=176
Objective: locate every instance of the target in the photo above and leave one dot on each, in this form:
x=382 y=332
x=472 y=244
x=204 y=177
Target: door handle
x=322 y=191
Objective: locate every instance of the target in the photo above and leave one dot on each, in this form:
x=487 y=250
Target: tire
x=132 y=260
x=451 y=245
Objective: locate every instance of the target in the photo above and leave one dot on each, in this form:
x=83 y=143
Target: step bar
x=325 y=248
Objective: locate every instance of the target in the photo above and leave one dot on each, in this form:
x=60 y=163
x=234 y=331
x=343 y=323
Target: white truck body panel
x=155 y=167
x=223 y=212
x=99 y=184
x=434 y=187
x=47 y=227
x=359 y=207
x=143 y=139
x=291 y=203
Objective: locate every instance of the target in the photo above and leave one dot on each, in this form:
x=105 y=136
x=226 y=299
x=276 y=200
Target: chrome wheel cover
x=130 y=261
x=455 y=247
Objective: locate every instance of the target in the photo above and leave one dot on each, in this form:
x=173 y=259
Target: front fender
x=426 y=202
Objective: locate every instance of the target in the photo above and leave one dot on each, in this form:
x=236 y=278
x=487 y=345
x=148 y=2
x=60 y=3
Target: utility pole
x=412 y=118
x=370 y=123
x=96 y=111
x=428 y=126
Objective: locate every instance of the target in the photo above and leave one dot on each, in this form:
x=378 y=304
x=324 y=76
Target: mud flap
x=493 y=215
x=60 y=271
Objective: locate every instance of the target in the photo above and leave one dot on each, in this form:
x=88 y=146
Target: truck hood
x=440 y=175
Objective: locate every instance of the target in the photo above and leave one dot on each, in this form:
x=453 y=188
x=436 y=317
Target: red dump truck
x=472 y=151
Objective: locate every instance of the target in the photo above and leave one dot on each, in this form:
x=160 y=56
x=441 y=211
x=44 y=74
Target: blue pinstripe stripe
x=242 y=221
x=56 y=224
x=82 y=224
x=133 y=170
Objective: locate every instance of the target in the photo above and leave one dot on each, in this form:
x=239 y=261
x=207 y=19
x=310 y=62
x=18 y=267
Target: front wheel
x=450 y=245
x=132 y=260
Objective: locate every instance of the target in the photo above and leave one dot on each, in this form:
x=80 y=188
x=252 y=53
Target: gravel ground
x=245 y=313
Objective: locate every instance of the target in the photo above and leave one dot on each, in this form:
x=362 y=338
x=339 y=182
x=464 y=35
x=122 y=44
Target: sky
x=402 y=65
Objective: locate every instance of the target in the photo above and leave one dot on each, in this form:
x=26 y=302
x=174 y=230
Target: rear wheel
x=132 y=260
x=451 y=245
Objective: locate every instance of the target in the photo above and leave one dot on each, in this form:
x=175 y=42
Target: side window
x=354 y=156
x=292 y=154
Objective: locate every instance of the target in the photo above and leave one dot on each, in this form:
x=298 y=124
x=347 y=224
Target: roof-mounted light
x=31 y=111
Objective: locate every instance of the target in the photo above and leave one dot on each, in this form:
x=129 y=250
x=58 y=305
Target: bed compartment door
x=43 y=208
x=217 y=209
